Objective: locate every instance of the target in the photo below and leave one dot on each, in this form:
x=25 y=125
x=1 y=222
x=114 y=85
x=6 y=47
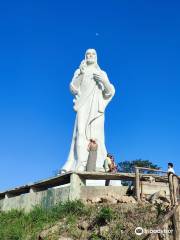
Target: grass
x=120 y=221
x=18 y=225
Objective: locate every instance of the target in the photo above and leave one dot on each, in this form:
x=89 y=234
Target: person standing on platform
x=92 y=157
x=170 y=168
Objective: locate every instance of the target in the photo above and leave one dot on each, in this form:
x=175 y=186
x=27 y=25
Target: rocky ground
x=110 y=217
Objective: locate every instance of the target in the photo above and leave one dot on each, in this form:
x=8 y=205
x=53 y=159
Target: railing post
x=176 y=189
x=173 y=188
x=176 y=220
x=174 y=195
x=137 y=184
x=170 y=180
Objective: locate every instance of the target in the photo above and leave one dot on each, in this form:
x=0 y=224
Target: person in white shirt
x=170 y=168
x=173 y=184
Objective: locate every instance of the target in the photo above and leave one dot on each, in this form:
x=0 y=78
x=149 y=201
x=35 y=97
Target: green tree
x=129 y=166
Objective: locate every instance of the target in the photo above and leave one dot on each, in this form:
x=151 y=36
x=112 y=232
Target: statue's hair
x=91 y=49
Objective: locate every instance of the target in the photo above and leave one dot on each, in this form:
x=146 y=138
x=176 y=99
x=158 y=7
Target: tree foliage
x=129 y=166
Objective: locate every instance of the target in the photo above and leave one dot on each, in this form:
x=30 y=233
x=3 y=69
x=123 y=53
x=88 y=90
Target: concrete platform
x=71 y=186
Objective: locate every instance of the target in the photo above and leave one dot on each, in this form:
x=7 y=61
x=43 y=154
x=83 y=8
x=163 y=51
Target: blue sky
x=41 y=45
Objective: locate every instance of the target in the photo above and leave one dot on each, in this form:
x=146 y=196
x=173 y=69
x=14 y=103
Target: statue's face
x=91 y=56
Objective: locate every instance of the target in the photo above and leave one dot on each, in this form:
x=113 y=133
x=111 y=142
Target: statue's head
x=91 y=56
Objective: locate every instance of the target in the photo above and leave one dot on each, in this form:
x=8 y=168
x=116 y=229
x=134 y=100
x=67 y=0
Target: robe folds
x=91 y=99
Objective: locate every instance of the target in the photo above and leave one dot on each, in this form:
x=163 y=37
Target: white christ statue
x=92 y=92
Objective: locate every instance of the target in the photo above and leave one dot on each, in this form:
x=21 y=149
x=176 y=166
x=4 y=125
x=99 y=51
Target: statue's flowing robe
x=90 y=103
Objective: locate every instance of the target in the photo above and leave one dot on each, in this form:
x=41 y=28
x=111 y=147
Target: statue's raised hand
x=83 y=66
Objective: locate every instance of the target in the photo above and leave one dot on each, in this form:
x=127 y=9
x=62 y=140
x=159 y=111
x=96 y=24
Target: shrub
x=105 y=215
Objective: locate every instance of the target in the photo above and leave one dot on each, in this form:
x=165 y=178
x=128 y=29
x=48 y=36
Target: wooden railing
x=138 y=176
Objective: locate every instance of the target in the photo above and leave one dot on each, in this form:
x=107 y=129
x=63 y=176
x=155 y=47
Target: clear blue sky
x=41 y=44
